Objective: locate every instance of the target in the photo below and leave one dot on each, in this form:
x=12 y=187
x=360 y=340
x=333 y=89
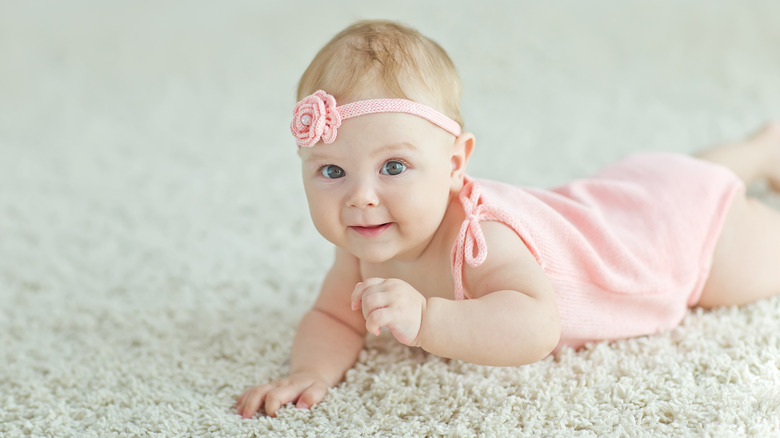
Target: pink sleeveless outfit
x=628 y=250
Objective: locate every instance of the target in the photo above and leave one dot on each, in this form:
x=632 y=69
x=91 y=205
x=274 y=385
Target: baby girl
x=486 y=272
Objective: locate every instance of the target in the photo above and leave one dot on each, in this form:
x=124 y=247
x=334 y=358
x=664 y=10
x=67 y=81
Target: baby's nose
x=363 y=195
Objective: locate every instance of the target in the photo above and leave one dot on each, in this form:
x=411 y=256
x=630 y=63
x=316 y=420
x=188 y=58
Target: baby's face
x=381 y=189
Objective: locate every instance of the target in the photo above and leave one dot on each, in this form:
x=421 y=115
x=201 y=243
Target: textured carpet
x=156 y=252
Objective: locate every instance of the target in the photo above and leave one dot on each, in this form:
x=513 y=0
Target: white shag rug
x=156 y=253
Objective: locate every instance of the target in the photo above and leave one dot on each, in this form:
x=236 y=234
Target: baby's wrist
x=314 y=375
x=427 y=325
x=418 y=341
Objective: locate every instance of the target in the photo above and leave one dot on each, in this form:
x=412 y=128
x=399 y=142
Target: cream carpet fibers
x=156 y=252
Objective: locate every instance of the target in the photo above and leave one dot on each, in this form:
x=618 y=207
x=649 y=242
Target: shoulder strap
x=470 y=236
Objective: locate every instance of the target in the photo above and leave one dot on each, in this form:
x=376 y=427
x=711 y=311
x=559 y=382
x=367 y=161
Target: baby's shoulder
x=507 y=261
x=501 y=241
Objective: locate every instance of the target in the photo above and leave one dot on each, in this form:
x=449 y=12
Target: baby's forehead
x=324 y=152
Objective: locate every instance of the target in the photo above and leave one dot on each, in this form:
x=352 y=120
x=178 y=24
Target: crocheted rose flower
x=315 y=118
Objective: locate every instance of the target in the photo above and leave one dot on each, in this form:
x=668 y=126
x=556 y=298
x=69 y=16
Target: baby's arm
x=326 y=344
x=512 y=320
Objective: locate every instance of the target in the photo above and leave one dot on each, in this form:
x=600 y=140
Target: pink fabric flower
x=315 y=118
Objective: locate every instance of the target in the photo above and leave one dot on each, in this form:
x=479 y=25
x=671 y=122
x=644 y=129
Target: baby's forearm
x=325 y=346
x=503 y=328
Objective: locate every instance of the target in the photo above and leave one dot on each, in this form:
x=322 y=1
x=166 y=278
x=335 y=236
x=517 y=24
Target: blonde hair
x=398 y=61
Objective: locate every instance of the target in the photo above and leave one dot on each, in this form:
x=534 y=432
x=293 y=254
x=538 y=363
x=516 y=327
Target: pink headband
x=317 y=117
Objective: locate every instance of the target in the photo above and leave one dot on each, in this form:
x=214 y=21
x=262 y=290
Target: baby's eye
x=393 y=168
x=332 y=172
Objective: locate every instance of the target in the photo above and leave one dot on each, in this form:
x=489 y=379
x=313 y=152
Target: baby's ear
x=461 y=151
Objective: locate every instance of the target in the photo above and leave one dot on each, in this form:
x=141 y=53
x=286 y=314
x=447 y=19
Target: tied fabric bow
x=471 y=235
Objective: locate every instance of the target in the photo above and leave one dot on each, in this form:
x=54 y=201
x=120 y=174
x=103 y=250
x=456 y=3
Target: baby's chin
x=373 y=256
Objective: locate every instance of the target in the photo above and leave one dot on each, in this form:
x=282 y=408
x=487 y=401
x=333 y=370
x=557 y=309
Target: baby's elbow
x=547 y=336
x=543 y=344
x=553 y=332
x=551 y=338
x=537 y=345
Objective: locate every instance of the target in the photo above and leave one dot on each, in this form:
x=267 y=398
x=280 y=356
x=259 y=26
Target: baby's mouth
x=371 y=230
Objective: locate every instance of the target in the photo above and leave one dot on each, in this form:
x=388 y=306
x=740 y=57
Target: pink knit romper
x=627 y=250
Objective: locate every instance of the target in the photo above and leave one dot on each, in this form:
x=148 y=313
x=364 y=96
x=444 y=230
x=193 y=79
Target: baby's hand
x=305 y=389
x=391 y=303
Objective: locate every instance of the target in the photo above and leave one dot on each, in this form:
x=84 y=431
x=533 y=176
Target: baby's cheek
x=326 y=223
x=426 y=214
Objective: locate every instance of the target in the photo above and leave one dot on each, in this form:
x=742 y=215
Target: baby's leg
x=755 y=158
x=746 y=263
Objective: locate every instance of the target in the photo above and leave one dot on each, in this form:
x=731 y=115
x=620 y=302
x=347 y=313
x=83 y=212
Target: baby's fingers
x=280 y=396
x=378 y=318
x=373 y=301
x=357 y=295
x=360 y=289
x=312 y=395
x=251 y=400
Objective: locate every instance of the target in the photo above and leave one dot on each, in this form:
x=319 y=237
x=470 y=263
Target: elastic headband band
x=317 y=117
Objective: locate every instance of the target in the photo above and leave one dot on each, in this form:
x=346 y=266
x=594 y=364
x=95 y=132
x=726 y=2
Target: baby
x=490 y=273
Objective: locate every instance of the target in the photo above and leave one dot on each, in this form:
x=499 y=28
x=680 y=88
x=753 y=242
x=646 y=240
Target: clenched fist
x=391 y=303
